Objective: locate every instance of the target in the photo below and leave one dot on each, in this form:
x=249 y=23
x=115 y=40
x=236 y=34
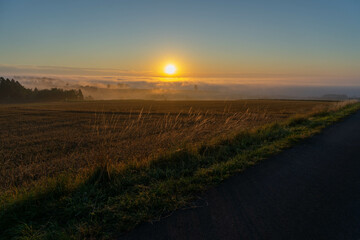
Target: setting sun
x=170 y=69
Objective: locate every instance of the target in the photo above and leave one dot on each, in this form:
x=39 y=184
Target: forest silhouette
x=12 y=91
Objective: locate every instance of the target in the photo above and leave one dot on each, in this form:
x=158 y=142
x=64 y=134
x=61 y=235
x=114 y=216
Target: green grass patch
x=101 y=205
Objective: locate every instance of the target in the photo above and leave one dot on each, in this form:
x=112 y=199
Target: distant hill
x=334 y=97
x=12 y=91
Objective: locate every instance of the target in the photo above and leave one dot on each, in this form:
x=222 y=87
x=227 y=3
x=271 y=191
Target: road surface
x=311 y=191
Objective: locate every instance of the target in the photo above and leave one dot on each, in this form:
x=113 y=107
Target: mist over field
x=155 y=88
x=108 y=84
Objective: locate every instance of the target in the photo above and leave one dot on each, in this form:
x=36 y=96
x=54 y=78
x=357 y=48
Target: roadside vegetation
x=107 y=196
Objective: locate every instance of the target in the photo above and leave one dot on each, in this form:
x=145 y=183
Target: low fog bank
x=225 y=92
x=102 y=89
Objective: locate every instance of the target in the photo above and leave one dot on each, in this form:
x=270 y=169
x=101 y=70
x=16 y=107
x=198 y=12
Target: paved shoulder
x=311 y=191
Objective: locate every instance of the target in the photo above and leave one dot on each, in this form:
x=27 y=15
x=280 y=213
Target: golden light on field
x=170 y=69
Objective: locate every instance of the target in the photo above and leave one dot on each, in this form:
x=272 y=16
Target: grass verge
x=98 y=205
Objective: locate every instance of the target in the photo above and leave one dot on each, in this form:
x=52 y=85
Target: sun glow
x=170 y=69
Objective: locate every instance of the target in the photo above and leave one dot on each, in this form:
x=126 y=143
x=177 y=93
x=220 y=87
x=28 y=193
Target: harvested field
x=44 y=139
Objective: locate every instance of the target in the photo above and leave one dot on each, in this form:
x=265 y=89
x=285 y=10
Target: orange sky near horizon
x=293 y=42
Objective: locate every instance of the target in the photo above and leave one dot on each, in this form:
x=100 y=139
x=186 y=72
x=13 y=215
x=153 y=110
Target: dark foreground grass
x=105 y=204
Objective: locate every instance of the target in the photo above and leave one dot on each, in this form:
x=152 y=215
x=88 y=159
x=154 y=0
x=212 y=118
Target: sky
x=272 y=42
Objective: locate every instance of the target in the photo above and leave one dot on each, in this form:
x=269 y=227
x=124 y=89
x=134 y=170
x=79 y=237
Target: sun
x=170 y=69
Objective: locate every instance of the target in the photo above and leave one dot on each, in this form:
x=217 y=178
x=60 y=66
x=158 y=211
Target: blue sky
x=292 y=38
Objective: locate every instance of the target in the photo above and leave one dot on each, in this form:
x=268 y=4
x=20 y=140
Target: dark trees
x=12 y=91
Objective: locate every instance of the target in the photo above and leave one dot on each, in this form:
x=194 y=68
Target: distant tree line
x=12 y=91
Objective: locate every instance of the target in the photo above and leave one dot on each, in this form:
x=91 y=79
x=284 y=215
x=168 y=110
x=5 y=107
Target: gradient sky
x=214 y=38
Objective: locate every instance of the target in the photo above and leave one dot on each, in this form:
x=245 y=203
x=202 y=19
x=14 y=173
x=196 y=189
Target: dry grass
x=114 y=194
x=42 y=140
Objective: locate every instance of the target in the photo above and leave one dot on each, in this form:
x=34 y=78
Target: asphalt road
x=311 y=191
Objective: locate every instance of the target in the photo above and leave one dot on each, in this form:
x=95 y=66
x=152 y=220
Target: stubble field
x=42 y=140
